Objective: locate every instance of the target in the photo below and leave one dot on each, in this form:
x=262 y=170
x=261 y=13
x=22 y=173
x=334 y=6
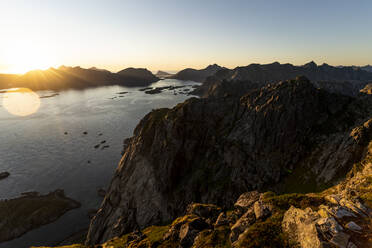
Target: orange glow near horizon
x=21 y=59
x=21 y=101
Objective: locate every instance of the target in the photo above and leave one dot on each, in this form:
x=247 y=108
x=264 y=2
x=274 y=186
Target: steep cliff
x=211 y=150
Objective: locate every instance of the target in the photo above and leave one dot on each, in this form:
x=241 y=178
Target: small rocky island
x=31 y=210
x=4 y=175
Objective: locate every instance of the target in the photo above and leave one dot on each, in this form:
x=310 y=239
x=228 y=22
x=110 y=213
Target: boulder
x=300 y=227
x=242 y=224
x=246 y=200
x=262 y=209
x=353 y=226
x=207 y=211
x=190 y=230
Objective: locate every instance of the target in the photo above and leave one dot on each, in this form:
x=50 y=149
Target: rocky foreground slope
x=338 y=217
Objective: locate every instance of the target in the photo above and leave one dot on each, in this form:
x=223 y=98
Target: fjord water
x=41 y=157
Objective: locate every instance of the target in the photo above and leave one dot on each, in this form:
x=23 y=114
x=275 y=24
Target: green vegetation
x=283 y=202
x=219 y=238
x=155 y=234
x=265 y=234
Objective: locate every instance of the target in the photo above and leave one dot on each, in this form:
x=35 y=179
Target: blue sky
x=172 y=35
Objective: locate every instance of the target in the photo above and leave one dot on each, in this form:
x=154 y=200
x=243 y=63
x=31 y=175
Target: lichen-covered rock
x=242 y=224
x=246 y=200
x=190 y=230
x=300 y=227
x=261 y=209
x=207 y=211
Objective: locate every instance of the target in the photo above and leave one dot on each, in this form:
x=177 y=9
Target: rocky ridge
x=341 y=80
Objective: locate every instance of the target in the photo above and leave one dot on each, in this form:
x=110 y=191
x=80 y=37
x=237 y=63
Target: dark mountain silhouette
x=367 y=68
x=76 y=77
x=256 y=74
x=137 y=75
x=163 y=74
x=197 y=75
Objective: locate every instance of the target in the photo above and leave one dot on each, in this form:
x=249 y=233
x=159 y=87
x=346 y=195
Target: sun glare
x=21 y=101
x=23 y=59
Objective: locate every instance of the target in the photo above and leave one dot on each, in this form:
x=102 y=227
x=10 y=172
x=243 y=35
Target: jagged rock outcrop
x=367 y=89
x=344 y=220
x=203 y=147
x=197 y=75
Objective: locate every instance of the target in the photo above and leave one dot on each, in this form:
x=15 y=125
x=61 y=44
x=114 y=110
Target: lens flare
x=21 y=101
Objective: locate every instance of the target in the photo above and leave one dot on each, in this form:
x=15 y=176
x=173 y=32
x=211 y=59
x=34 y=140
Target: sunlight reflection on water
x=21 y=101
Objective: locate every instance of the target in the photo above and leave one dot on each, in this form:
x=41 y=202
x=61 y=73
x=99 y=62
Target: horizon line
x=173 y=71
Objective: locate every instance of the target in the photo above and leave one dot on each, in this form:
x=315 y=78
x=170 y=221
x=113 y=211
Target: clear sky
x=174 y=34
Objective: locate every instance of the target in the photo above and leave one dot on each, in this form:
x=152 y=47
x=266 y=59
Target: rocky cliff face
x=282 y=137
x=339 y=217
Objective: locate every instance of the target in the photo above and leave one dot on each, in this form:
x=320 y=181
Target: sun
x=22 y=59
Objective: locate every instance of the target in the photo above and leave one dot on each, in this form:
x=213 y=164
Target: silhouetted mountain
x=163 y=74
x=197 y=75
x=256 y=74
x=92 y=75
x=6 y=80
x=137 y=76
x=367 y=68
x=76 y=77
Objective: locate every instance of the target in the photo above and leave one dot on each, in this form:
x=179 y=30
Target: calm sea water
x=40 y=157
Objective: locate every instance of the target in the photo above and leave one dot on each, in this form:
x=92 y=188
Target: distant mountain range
x=197 y=75
x=76 y=77
x=350 y=79
x=163 y=74
x=347 y=79
x=366 y=68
